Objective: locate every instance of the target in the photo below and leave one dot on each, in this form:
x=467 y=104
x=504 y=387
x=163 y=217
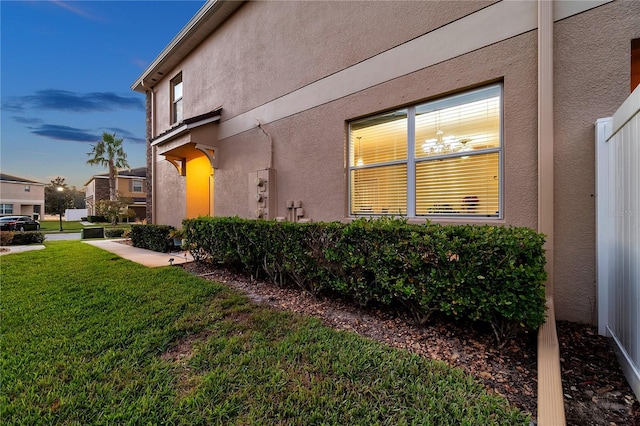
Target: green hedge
x=152 y=237
x=114 y=232
x=96 y=232
x=21 y=238
x=491 y=274
x=97 y=219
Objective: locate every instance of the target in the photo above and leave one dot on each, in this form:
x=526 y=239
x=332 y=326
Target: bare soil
x=596 y=392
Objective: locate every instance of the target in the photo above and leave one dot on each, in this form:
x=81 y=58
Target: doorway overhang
x=190 y=138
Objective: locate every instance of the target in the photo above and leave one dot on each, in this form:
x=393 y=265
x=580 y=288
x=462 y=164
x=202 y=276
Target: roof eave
x=210 y=16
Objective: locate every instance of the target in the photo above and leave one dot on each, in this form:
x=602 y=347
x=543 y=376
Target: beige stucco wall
x=592 y=78
x=169 y=192
x=268 y=49
x=261 y=54
x=124 y=184
x=23 y=202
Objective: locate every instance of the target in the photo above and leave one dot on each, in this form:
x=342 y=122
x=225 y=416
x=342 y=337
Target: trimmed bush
x=25 y=238
x=114 y=232
x=96 y=219
x=92 y=233
x=5 y=238
x=152 y=237
x=490 y=274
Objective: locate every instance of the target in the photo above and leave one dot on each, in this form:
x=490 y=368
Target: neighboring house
x=456 y=112
x=21 y=197
x=129 y=183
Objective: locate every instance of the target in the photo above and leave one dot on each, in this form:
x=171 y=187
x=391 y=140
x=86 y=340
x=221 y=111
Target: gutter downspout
x=270 y=143
x=550 y=395
x=151 y=152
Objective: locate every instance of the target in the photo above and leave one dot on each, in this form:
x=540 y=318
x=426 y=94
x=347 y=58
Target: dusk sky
x=66 y=72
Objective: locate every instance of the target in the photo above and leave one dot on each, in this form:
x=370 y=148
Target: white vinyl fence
x=74 y=214
x=618 y=233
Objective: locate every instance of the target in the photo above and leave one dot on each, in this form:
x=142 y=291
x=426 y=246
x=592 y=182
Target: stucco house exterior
x=21 y=197
x=476 y=112
x=129 y=183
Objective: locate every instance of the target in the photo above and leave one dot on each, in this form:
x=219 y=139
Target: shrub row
x=97 y=219
x=152 y=237
x=114 y=232
x=20 y=238
x=490 y=274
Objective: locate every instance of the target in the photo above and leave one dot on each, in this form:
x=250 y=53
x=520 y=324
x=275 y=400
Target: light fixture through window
x=441 y=144
x=360 y=162
x=465 y=148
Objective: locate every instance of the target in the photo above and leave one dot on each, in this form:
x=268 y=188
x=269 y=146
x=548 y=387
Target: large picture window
x=441 y=158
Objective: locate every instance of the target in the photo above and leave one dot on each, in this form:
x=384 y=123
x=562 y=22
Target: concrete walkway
x=20 y=249
x=62 y=236
x=144 y=257
x=150 y=258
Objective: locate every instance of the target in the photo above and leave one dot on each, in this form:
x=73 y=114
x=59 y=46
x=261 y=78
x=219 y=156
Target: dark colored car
x=18 y=223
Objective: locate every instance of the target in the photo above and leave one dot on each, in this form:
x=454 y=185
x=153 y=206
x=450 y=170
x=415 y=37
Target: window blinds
x=453 y=167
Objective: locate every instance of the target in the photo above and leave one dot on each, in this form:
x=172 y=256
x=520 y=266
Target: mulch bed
x=596 y=392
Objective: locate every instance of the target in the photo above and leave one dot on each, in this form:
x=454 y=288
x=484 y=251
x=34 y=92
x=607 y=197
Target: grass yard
x=90 y=338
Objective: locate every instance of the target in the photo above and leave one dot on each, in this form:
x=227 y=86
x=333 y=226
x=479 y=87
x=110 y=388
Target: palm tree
x=109 y=153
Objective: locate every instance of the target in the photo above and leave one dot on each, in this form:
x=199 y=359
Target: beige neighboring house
x=452 y=111
x=21 y=197
x=129 y=183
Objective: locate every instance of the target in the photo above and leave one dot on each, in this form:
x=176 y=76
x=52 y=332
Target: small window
x=136 y=186
x=6 y=208
x=27 y=188
x=437 y=159
x=176 y=99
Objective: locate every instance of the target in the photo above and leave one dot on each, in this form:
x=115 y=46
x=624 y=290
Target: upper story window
x=136 y=185
x=176 y=99
x=437 y=159
x=27 y=188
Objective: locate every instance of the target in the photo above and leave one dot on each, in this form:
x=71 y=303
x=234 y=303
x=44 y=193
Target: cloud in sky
x=74 y=9
x=64 y=100
x=73 y=134
x=27 y=120
x=65 y=133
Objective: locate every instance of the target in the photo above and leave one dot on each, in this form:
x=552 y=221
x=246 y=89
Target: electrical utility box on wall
x=262 y=200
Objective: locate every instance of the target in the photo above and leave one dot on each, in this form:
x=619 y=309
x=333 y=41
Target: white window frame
x=411 y=162
x=177 y=104
x=6 y=208
x=133 y=185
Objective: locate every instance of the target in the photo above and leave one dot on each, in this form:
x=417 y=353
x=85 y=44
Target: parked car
x=18 y=223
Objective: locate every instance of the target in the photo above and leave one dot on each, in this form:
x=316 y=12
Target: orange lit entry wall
x=199 y=182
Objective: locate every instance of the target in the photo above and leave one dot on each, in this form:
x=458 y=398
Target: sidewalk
x=20 y=249
x=144 y=257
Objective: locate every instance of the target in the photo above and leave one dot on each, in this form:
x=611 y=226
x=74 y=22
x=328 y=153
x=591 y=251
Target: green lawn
x=90 y=338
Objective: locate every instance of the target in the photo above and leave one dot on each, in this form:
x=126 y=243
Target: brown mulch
x=596 y=392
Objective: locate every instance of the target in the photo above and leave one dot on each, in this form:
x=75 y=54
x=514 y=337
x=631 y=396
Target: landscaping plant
x=491 y=274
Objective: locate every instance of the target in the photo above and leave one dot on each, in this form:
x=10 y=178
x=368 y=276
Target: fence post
x=604 y=233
